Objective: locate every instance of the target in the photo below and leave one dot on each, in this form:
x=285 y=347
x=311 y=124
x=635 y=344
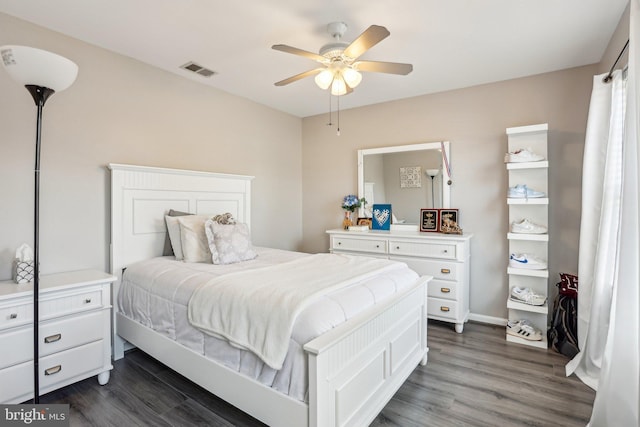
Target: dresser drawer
x=421 y=249
x=443 y=270
x=442 y=289
x=70 y=302
x=360 y=245
x=17 y=380
x=443 y=308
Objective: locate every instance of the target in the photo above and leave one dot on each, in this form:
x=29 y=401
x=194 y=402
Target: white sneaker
x=526 y=296
x=521 y=191
x=526 y=261
x=527 y=227
x=522 y=155
x=523 y=329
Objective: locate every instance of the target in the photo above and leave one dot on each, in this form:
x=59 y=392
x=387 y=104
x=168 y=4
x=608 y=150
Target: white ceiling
x=451 y=44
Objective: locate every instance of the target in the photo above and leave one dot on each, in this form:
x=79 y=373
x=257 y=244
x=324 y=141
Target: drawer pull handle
x=13 y=316
x=52 y=338
x=445 y=271
x=443 y=308
x=54 y=370
x=87 y=301
x=445 y=290
x=446 y=251
x=339 y=243
x=377 y=246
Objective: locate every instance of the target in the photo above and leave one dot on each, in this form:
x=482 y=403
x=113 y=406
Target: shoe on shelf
x=523 y=329
x=526 y=261
x=522 y=155
x=521 y=191
x=526 y=296
x=525 y=226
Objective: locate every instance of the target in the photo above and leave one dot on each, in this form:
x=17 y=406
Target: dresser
x=446 y=257
x=74 y=335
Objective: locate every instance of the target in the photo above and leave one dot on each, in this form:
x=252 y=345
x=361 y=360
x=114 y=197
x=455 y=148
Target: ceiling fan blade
x=300 y=52
x=298 y=77
x=365 y=41
x=384 y=67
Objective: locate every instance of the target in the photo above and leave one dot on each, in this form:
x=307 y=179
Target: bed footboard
x=356 y=368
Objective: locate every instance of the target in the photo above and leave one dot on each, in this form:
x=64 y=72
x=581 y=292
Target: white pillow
x=229 y=243
x=193 y=238
x=173 y=228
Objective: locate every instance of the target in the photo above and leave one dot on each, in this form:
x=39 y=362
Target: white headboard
x=141 y=196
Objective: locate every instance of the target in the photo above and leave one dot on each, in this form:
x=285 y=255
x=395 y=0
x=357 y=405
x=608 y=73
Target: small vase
x=346 y=222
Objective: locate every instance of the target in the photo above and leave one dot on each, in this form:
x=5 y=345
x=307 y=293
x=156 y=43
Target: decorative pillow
x=195 y=247
x=169 y=243
x=229 y=243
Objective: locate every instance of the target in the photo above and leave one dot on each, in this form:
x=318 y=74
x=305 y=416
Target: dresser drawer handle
x=13 y=316
x=339 y=243
x=443 y=308
x=52 y=338
x=398 y=247
x=446 y=251
x=445 y=271
x=54 y=370
x=445 y=290
x=377 y=246
x=87 y=301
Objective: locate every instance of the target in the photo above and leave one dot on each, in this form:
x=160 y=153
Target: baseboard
x=481 y=318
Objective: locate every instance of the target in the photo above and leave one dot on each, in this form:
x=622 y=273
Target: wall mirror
x=408 y=177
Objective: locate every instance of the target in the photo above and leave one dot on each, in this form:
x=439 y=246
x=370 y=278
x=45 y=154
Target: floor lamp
x=431 y=173
x=42 y=73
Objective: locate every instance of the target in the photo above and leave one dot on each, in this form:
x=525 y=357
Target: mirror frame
x=446 y=178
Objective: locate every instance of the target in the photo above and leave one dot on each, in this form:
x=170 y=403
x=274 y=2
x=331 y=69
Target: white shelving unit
x=535 y=176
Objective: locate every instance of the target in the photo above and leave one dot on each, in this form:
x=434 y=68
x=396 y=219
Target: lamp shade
x=31 y=66
x=351 y=77
x=324 y=79
x=338 y=87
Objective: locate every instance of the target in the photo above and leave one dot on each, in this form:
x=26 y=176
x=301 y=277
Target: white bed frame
x=354 y=369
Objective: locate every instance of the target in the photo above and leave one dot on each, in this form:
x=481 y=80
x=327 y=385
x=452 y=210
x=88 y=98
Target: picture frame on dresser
x=430 y=220
x=364 y=221
x=381 y=217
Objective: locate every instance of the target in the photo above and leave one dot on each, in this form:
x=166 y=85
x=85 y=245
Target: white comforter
x=256 y=309
x=156 y=293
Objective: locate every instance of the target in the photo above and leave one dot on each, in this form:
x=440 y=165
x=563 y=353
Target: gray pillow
x=168 y=250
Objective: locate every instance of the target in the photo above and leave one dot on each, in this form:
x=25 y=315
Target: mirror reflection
x=409 y=177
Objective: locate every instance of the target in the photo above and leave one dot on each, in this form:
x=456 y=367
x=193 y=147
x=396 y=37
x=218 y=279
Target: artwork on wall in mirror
x=381 y=217
x=411 y=177
x=429 y=220
x=365 y=221
x=449 y=221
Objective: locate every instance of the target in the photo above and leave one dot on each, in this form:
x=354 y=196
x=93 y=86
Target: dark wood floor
x=472 y=379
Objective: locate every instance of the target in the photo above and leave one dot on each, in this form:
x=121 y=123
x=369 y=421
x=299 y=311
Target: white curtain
x=609 y=259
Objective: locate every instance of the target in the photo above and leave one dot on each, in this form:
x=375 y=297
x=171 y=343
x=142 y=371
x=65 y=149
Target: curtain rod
x=608 y=77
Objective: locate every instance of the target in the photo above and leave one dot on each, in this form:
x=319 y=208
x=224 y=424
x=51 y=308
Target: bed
x=352 y=370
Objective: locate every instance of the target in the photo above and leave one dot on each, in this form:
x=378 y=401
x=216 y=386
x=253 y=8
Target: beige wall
x=474 y=121
x=123 y=111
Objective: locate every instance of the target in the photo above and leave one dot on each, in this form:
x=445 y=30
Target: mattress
x=156 y=293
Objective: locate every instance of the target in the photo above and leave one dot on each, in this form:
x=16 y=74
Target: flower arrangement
x=351 y=202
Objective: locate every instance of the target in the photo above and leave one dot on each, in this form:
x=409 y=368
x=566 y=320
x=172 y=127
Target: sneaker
x=527 y=227
x=523 y=329
x=526 y=296
x=522 y=155
x=521 y=191
x=529 y=262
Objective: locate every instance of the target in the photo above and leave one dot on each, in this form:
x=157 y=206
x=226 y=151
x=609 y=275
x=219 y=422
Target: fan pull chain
x=329 y=124
x=338 y=112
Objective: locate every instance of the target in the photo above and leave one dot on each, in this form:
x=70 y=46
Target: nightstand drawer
x=442 y=308
x=54 y=336
x=360 y=245
x=442 y=289
x=17 y=380
x=70 y=302
x=16 y=315
x=419 y=249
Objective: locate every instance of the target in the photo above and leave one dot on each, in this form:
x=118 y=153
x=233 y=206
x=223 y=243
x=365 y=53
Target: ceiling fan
x=341 y=68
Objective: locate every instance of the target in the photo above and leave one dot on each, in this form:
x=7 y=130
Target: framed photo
x=365 y=221
x=381 y=217
x=449 y=221
x=429 y=220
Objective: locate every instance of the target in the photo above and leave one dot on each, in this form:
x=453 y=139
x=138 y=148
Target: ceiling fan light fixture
x=324 y=79
x=351 y=77
x=338 y=87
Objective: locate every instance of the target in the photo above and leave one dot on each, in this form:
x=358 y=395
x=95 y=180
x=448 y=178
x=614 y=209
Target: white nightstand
x=75 y=332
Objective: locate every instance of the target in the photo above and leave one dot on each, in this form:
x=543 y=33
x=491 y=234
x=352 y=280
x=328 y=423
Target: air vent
x=198 y=69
